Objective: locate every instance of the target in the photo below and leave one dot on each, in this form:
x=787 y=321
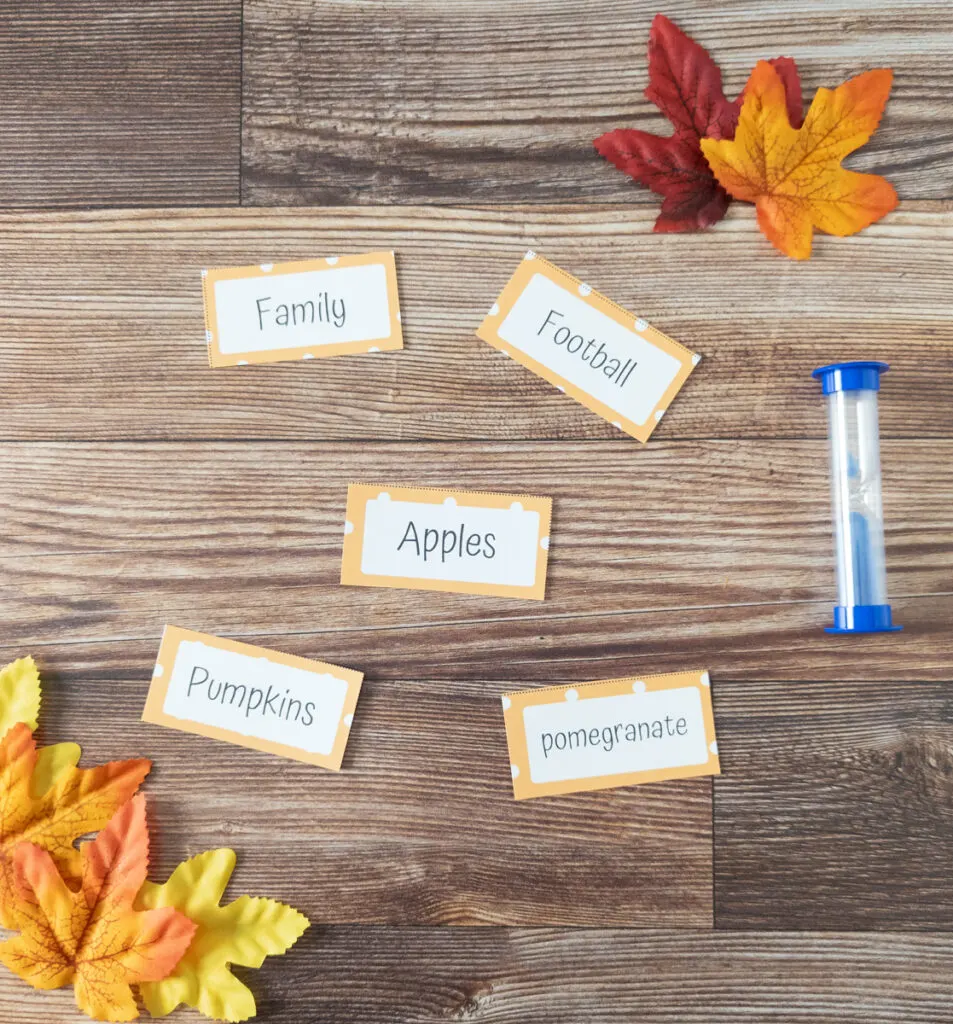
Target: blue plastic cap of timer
x=854 y=436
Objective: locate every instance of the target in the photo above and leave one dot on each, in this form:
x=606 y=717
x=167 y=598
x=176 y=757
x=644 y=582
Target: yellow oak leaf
x=78 y=801
x=93 y=938
x=794 y=175
x=243 y=932
x=20 y=702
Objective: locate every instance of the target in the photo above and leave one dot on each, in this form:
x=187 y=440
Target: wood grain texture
x=113 y=542
x=138 y=488
x=617 y=977
x=118 y=102
x=833 y=810
x=750 y=642
x=420 y=826
x=485 y=101
x=102 y=330
x=339 y=975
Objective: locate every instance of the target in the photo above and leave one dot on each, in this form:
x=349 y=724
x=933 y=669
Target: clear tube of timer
x=854 y=435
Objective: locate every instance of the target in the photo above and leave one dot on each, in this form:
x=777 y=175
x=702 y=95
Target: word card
x=610 y=360
x=252 y=696
x=566 y=739
x=303 y=310
x=461 y=541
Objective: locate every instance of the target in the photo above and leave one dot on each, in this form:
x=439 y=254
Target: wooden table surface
x=139 y=142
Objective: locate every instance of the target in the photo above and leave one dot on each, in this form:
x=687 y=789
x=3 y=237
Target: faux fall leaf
x=685 y=84
x=93 y=938
x=76 y=801
x=243 y=932
x=20 y=702
x=794 y=175
x=19 y=694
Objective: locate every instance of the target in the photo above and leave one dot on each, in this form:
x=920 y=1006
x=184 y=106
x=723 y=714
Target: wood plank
x=833 y=809
x=404 y=101
x=112 y=542
x=420 y=827
x=613 y=977
x=749 y=642
x=116 y=102
x=338 y=975
x=102 y=331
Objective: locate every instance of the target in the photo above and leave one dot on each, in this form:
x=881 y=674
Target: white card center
x=581 y=344
x=255 y=697
x=313 y=307
x=584 y=739
x=449 y=542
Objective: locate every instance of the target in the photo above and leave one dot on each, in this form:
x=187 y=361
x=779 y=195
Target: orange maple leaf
x=93 y=938
x=794 y=176
x=79 y=801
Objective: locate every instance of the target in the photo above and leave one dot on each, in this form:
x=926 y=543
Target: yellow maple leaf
x=79 y=800
x=243 y=932
x=51 y=763
x=19 y=694
x=92 y=938
x=794 y=176
x=20 y=702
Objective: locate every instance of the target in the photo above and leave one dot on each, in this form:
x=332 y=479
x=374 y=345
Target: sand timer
x=854 y=435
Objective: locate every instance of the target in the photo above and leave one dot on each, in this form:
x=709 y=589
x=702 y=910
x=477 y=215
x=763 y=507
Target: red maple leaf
x=685 y=84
